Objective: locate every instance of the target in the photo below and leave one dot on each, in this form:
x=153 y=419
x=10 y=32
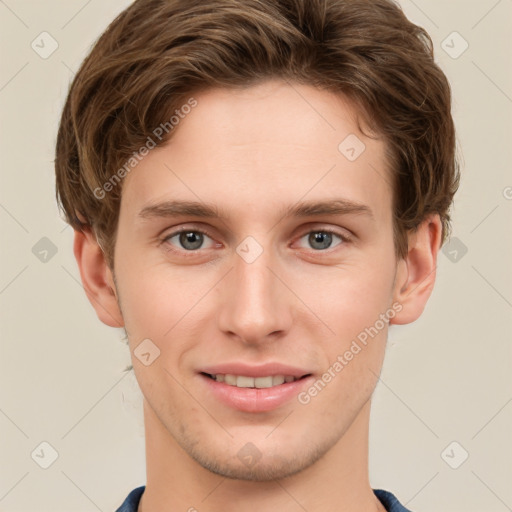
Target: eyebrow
x=169 y=209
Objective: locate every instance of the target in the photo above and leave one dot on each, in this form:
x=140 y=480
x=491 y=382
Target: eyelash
x=194 y=253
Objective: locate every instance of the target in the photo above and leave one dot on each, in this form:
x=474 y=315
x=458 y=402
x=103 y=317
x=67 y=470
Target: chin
x=259 y=472
x=262 y=467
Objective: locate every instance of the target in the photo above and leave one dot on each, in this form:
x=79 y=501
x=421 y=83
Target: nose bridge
x=254 y=305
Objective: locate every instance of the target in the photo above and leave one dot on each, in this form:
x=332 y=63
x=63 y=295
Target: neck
x=338 y=482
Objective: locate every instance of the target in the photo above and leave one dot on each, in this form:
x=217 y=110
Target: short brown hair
x=157 y=53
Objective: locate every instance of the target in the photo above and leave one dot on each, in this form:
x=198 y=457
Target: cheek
x=158 y=300
x=352 y=357
x=350 y=298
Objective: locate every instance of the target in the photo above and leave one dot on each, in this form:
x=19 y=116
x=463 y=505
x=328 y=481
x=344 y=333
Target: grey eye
x=191 y=240
x=322 y=239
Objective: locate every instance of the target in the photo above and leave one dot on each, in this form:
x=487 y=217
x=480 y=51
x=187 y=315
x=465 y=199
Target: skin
x=255 y=153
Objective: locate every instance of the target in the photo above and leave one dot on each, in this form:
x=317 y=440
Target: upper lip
x=262 y=370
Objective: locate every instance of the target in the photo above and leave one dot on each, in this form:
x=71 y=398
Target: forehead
x=264 y=145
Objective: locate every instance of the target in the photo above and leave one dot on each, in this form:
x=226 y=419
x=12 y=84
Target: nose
x=256 y=307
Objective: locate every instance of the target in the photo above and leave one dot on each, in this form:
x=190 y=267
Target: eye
x=188 y=239
x=322 y=239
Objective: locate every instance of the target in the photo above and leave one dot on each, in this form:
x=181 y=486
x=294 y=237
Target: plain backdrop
x=442 y=413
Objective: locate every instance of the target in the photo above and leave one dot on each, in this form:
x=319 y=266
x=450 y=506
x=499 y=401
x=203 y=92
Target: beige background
x=446 y=378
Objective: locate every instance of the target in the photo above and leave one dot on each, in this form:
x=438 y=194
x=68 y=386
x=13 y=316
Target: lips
x=263 y=370
x=254 y=388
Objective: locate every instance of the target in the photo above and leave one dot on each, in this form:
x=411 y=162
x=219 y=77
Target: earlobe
x=416 y=273
x=97 y=278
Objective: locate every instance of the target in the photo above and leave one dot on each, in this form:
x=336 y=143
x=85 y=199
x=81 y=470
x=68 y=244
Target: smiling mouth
x=242 y=381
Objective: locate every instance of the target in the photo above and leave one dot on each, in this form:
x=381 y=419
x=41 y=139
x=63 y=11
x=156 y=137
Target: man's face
x=262 y=293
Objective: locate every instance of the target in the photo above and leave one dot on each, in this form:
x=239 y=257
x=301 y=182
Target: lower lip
x=255 y=399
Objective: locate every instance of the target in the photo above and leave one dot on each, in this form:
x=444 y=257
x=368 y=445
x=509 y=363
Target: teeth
x=263 y=382
x=278 y=379
x=230 y=379
x=242 y=381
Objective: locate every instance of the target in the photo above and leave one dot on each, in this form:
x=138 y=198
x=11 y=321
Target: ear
x=416 y=273
x=97 y=278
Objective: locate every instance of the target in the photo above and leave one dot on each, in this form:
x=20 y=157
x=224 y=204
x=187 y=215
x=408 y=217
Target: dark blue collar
x=389 y=501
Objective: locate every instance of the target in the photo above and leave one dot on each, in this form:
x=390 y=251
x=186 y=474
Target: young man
x=258 y=189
